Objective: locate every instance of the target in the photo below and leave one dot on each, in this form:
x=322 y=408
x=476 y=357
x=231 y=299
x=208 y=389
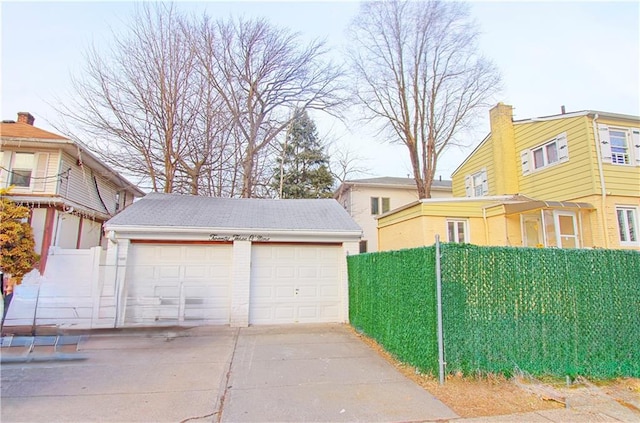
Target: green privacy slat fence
x=392 y=298
x=544 y=311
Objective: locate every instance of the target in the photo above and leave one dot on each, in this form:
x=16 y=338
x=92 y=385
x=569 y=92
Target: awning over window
x=521 y=207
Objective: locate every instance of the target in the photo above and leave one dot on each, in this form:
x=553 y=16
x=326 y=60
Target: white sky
x=584 y=55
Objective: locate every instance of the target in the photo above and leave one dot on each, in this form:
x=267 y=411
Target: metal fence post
x=439 y=312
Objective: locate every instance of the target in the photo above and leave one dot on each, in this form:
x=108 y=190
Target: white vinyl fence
x=70 y=294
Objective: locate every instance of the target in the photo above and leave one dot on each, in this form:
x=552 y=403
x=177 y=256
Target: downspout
x=603 y=190
x=486 y=227
x=111 y=236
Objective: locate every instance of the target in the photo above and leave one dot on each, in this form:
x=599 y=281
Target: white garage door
x=296 y=284
x=175 y=284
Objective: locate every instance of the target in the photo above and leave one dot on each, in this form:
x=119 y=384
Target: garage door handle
x=297 y=290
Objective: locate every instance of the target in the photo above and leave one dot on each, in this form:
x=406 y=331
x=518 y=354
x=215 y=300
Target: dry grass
x=490 y=395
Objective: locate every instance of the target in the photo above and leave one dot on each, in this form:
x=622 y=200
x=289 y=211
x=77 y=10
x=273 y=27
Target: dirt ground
x=494 y=395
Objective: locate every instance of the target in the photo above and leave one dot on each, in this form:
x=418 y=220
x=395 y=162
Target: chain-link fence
x=543 y=311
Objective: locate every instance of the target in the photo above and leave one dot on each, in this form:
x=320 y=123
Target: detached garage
x=188 y=260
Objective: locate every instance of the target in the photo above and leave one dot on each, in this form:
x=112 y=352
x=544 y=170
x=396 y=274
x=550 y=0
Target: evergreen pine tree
x=303 y=167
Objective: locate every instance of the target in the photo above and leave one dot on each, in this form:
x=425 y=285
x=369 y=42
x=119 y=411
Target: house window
x=550 y=153
x=457 y=231
x=619 y=146
x=378 y=204
x=628 y=225
x=476 y=180
x=21 y=170
x=476 y=185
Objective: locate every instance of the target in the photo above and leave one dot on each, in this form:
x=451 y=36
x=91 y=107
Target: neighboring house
x=366 y=199
x=69 y=191
x=179 y=259
x=570 y=180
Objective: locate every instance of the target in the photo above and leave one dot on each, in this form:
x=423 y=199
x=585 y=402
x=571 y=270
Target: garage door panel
x=329 y=291
x=283 y=292
x=305 y=292
x=284 y=313
x=303 y=285
x=168 y=283
x=161 y=291
x=167 y=253
x=285 y=272
x=330 y=272
x=284 y=254
x=168 y=272
x=197 y=272
x=308 y=272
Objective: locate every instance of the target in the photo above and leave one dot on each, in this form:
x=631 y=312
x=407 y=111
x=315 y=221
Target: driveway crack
x=224 y=385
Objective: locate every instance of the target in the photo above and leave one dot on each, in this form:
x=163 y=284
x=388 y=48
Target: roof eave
x=209 y=234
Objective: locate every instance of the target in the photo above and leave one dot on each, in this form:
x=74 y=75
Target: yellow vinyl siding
x=480 y=159
x=621 y=179
x=560 y=181
x=418 y=225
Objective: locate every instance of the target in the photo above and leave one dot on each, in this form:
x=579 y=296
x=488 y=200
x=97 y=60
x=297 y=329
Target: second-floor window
x=21 y=170
x=476 y=184
x=380 y=205
x=552 y=152
x=545 y=155
x=619 y=146
x=25 y=171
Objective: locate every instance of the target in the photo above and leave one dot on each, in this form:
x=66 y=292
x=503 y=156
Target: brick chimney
x=504 y=149
x=26 y=117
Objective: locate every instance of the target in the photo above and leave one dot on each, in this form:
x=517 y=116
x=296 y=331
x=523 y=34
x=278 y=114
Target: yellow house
x=570 y=180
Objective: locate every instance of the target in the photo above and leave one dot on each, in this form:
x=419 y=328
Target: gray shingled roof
x=392 y=180
x=173 y=210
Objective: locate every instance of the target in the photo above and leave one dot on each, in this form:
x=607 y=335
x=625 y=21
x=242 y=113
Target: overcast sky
x=583 y=55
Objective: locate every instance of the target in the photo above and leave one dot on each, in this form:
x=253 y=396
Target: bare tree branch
x=419 y=74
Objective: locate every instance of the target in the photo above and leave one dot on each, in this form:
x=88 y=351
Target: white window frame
x=632 y=139
x=380 y=206
x=623 y=157
x=465 y=229
x=13 y=169
x=561 y=148
x=38 y=178
x=476 y=184
x=625 y=230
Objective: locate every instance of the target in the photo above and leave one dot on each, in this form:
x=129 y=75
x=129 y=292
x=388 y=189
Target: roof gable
x=24 y=130
x=187 y=211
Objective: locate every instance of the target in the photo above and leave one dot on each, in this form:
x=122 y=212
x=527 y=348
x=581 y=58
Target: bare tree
x=139 y=103
x=419 y=73
x=345 y=164
x=261 y=74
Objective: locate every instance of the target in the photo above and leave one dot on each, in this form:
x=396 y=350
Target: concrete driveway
x=215 y=374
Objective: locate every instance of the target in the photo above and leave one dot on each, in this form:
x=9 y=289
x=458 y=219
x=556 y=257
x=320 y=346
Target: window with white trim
x=457 y=230
x=627 y=224
x=21 y=169
x=380 y=205
x=619 y=146
x=551 y=153
x=25 y=171
x=476 y=184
